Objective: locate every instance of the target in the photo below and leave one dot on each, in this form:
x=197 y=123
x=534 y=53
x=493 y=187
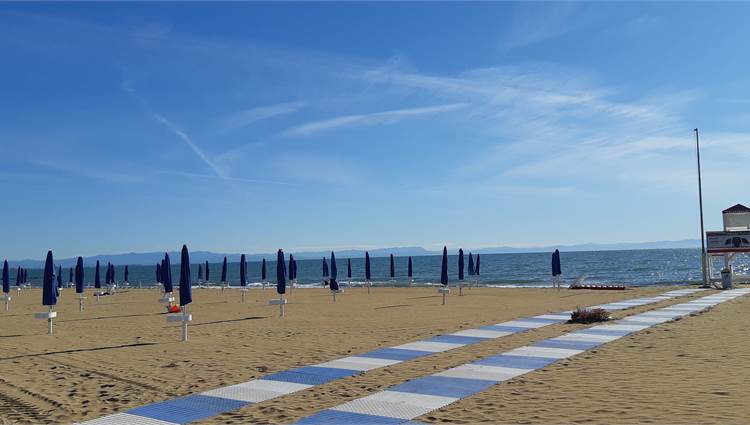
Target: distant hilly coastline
x=148 y=258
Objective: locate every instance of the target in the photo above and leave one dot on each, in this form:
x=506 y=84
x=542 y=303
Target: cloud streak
x=377 y=118
x=247 y=117
x=189 y=141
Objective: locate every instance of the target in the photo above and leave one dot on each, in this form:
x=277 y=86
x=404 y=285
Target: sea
x=630 y=267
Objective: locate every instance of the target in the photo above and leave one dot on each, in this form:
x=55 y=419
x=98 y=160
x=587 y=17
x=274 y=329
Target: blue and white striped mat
x=404 y=402
x=226 y=399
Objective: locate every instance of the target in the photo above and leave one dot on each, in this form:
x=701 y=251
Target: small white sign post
x=49 y=315
x=367 y=283
x=263 y=284
x=6 y=298
x=444 y=290
x=281 y=302
x=183 y=318
x=243 y=291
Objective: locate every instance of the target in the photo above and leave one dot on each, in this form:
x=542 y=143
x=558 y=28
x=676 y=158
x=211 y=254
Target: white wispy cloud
x=247 y=117
x=536 y=22
x=376 y=118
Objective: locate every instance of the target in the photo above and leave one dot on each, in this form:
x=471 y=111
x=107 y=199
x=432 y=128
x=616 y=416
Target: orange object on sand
x=174 y=309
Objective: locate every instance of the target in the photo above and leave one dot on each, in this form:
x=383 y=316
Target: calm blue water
x=635 y=267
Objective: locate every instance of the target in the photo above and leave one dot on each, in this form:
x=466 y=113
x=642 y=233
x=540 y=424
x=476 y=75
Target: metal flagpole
x=700 y=203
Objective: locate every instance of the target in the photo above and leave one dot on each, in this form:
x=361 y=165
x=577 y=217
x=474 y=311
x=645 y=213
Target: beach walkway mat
x=402 y=403
x=195 y=407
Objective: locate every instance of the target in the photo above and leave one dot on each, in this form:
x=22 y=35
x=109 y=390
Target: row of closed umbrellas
x=52 y=282
x=164 y=274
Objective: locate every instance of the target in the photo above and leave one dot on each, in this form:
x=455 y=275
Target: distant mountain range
x=149 y=258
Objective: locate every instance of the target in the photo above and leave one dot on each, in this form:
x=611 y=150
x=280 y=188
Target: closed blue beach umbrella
x=291 y=267
x=444 y=268
x=556 y=268
x=349 y=268
x=200 y=272
x=125 y=275
x=393 y=268
x=334 y=273
x=460 y=264
x=18 y=276
x=368 y=275
x=263 y=275
x=49 y=292
x=325 y=267
x=186 y=286
x=295 y=269
x=6 y=278
x=477 y=265
x=25 y=276
x=207 y=272
x=97 y=276
x=243 y=270
x=108 y=275
x=224 y=270
x=59 y=276
x=409 y=269
x=166 y=274
x=280 y=273
x=112 y=274
x=471 y=265
x=70 y=275
x=79 y=275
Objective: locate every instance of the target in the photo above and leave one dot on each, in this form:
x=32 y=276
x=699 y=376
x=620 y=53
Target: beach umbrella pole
x=80 y=302
x=49 y=315
x=334 y=292
x=243 y=290
x=184 y=323
x=367 y=282
x=281 y=301
x=6 y=298
x=184 y=319
x=444 y=291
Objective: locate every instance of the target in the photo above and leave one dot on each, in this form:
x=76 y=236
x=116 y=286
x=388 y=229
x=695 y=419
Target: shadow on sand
x=230 y=320
x=78 y=350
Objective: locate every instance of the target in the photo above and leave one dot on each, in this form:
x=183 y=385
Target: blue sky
x=244 y=127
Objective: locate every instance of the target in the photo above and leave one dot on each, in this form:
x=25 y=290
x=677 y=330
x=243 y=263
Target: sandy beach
x=120 y=353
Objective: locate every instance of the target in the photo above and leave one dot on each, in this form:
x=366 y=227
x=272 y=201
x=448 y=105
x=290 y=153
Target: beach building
x=734 y=240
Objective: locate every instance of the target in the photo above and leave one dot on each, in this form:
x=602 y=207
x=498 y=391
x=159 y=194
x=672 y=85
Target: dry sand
x=120 y=353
